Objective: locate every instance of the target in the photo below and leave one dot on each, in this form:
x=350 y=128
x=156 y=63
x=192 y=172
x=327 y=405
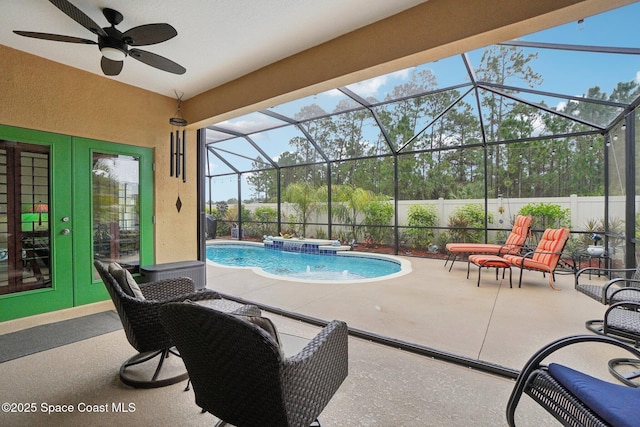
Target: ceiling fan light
x=113 y=53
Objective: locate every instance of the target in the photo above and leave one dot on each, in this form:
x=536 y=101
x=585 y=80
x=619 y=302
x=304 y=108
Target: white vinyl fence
x=582 y=209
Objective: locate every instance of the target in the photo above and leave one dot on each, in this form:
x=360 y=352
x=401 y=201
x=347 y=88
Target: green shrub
x=320 y=233
x=378 y=214
x=466 y=224
x=266 y=218
x=547 y=215
x=421 y=216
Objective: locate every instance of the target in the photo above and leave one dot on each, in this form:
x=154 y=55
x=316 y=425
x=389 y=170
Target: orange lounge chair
x=513 y=245
x=545 y=257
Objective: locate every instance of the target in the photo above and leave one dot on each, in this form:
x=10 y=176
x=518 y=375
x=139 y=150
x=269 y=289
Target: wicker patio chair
x=613 y=290
x=545 y=258
x=513 y=245
x=240 y=374
x=138 y=307
x=572 y=397
x=616 y=290
x=622 y=321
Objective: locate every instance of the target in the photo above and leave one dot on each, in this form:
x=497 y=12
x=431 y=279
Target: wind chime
x=178 y=166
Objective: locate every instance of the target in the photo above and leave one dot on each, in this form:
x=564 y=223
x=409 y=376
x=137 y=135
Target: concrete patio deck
x=386 y=386
x=434 y=307
x=441 y=310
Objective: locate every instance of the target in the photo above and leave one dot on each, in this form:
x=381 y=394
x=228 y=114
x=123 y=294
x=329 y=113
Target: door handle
x=65 y=231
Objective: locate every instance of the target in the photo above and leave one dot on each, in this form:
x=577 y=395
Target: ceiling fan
x=114 y=44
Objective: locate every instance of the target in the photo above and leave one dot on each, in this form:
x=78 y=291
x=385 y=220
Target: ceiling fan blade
x=111 y=68
x=54 y=37
x=157 y=61
x=149 y=34
x=79 y=16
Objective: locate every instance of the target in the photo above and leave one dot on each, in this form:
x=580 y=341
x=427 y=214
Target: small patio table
x=290 y=344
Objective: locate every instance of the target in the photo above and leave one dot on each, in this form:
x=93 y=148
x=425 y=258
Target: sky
x=569 y=73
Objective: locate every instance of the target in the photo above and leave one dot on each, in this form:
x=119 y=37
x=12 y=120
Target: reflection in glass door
x=25 y=239
x=116 y=210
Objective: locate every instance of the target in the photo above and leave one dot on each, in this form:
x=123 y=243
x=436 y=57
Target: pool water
x=302 y=266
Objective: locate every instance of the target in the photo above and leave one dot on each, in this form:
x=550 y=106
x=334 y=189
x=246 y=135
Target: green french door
x=113 y=202
x=64 y=201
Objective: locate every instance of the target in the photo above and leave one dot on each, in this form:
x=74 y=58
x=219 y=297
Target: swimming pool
x=345 y=267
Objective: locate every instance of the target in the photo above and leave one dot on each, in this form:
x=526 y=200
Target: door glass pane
x=116 y=214
x=25 y=241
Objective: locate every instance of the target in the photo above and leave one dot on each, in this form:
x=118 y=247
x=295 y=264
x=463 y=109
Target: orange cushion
x=528 y=263
x=473 y=248
x=547 y=253
x=520 y=230
x=514 y=242
x=553 y=240
x=489 y=261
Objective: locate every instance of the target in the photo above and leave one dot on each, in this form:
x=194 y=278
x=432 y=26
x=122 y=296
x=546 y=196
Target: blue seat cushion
x=617 y=404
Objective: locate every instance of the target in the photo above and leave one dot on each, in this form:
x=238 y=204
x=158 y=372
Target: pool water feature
x=343 y=267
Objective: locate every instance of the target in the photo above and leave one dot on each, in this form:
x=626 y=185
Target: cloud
x=333 y=92
x=638 y=77
x=249 y=124
x=370 y=87
x=213 y=166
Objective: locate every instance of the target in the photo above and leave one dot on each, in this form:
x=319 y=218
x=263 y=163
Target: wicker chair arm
x=588 y=270
x=617 y=280
x=535 y=361
x=316 y=372
x=620 y=292
x=628 y=305
x=334 y=333
x=601 y=270
x=143 y=317
x=167 y=288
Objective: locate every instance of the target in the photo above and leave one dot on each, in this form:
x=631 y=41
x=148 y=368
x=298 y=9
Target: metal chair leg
x=154 y=382
x=622 y=377
x=452 y=261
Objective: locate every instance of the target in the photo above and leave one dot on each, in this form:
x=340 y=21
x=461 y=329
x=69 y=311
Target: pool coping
x=405 y=265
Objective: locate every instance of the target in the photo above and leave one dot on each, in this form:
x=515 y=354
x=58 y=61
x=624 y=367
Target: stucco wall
x=39 y=94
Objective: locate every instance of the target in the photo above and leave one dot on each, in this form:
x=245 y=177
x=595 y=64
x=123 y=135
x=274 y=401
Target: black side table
x=604 y=261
